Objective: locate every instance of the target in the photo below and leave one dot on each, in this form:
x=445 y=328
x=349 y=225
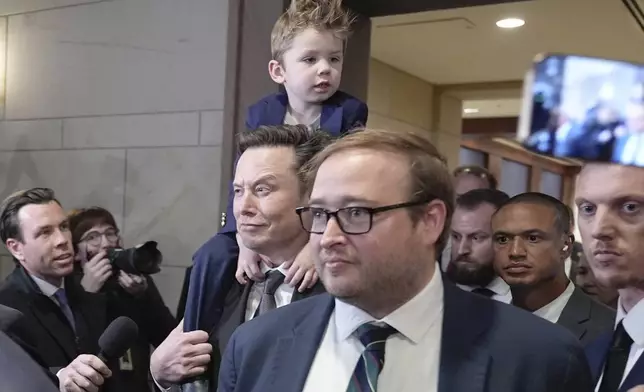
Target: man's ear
x=566 y=249
x=15 y=247
x=433 y=220
x=276 y=71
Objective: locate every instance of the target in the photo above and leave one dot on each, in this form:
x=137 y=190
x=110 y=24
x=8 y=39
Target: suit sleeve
x=228 y=367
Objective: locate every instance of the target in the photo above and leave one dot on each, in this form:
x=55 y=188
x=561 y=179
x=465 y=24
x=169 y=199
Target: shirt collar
x=46 y=288
x=553 y=310
x=265 y=268
x=497 y=285
x=632 y=321
x=412 y=320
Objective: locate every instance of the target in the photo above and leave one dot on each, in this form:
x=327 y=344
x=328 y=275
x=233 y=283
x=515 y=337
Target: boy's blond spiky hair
x=322 y=15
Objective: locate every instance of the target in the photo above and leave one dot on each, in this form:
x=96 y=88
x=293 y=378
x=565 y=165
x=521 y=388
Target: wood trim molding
x=535 y=179
x=522 y=156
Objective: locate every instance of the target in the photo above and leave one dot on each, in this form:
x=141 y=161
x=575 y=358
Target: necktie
x=274 y=279
x=61 y=297
x=616 y=360
x=484 y=292
x=372 y=360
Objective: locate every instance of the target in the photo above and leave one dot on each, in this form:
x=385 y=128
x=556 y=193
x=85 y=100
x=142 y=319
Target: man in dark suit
x=307 y=47
x=268 y=188
x=609 y=198
x=61 y=321
x=532 y=241
x=376 y=214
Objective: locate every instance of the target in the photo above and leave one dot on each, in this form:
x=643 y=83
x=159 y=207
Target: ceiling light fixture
x=470 y=110
x=510 y=23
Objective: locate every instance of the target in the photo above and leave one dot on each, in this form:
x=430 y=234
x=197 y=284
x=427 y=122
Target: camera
x=142 y=259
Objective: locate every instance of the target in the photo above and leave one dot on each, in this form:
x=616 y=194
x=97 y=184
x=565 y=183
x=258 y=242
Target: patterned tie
x=372 y=360
x=61 y=297
x=274 y=279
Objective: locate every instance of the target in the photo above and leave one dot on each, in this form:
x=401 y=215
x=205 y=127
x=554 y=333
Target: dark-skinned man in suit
x=532 y=241
x=268 y=188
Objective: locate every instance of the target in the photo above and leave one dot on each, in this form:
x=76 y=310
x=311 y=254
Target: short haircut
x=11 y=206
x=479 y=172
x=562 y=212
x=321 y=15
x=474 y=198
x=430 y=178
x=82 y=220
x=306 y=143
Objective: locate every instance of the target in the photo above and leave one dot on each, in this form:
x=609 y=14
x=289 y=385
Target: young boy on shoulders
x=307 y=44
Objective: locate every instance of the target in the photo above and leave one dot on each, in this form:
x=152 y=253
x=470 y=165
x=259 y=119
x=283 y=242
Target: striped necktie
x=372 y=360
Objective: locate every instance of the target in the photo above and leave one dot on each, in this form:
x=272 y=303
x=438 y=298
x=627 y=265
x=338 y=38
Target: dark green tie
x=372 y=360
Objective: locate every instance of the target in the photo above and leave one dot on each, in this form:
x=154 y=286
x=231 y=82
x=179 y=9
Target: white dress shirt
x=498 y=286
x=412 y=356
x=553 y=310
x=283 y=294
x=633 y=322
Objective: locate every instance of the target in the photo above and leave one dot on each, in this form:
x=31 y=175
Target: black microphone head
x=118 y=337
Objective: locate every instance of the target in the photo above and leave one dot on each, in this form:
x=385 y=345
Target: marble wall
x=118 y=103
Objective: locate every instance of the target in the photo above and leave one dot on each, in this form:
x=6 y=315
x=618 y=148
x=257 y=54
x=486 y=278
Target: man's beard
x=469 y=273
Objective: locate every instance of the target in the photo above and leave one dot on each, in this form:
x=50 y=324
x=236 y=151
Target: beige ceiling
x=464 y=45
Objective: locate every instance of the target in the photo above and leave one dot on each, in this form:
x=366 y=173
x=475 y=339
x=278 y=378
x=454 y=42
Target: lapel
x=331 y=118
x=596 y=354
x=48 y=314
x=635 y=376
x=236 y=318
x=576 y=313
x=464 y=358
x=318 y=288
x=275 y=110
x=297 y=347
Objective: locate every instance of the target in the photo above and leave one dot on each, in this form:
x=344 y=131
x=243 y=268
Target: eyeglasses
x=352 y=220
x=94 y=238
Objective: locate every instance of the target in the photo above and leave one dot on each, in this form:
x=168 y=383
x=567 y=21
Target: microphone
x=117 y=338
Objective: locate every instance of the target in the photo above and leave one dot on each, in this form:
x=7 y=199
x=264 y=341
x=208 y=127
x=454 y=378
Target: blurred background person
x=584 y=277
x=465 y=179
x=94 y=232
x=472 y=256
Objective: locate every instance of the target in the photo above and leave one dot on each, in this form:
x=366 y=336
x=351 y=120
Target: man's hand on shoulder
x=181 y=356
x=86 y=373
x=302 y=272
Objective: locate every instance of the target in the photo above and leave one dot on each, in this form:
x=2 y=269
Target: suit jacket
x=585 y=317
x=20 y=367
x=234 y=315
x=486 y=346
x=596 y=353
x=44 y=326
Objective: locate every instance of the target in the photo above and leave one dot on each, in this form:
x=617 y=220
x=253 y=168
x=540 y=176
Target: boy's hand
x=302 y=271
x=247 y=264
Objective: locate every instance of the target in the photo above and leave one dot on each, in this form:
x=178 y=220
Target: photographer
x=94 y=234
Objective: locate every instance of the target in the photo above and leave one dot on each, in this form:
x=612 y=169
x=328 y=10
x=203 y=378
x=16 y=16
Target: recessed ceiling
x=465 y=46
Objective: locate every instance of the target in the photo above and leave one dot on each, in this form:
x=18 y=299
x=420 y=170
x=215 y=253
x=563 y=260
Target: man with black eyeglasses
x=268 y=187
x=377 y=214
